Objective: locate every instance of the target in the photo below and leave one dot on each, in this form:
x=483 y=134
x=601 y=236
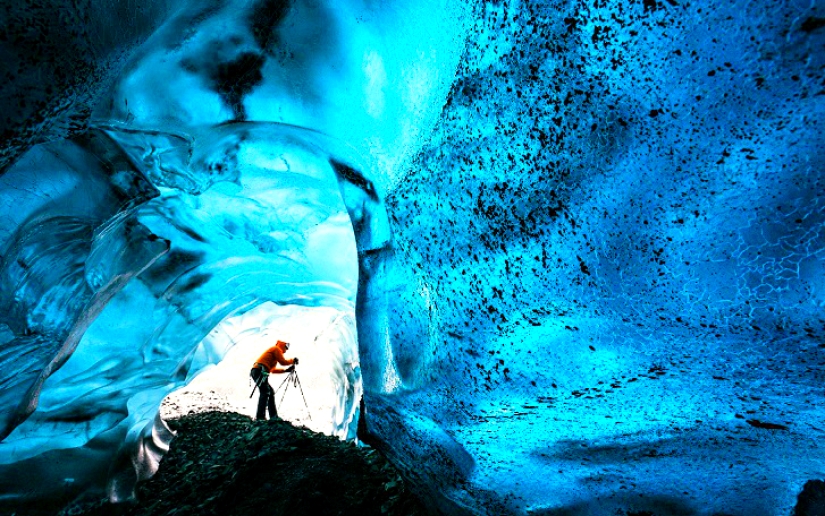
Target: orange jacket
x=272 y=357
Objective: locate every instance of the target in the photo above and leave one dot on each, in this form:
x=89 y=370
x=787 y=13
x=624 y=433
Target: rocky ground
x=223 y=463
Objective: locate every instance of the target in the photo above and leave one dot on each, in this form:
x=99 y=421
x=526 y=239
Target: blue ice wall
x=589 y=237
x=619 y=219
x=115 y=274
x=212 y=152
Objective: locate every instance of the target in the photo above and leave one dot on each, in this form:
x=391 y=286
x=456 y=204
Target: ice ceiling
x=589 y=237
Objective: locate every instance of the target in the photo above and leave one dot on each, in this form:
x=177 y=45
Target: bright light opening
x=324 y=340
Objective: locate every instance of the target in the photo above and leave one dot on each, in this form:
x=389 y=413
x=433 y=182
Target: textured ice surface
x=597 y=288
x=625 y=252
x=273 y=229
x=178 y=205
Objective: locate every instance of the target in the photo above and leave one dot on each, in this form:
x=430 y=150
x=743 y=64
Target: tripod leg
x=298 y=383
x=282 y=384
x=289 y=377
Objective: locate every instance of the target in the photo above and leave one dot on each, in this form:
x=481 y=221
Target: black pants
x=267 y=395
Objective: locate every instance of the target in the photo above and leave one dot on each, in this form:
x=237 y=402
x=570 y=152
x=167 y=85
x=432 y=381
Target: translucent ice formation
x=238 y=218
x=236 y=158
x=597 y=289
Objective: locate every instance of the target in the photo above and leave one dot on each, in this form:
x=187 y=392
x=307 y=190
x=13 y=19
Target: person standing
x=267 y=364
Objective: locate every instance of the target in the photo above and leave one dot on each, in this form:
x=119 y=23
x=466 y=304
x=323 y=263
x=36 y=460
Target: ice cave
x=573 y=251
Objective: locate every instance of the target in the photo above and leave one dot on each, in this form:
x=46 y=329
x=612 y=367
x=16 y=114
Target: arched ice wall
x=599 y=284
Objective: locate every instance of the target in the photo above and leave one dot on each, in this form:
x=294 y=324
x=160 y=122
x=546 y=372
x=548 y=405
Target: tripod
x=292 y=378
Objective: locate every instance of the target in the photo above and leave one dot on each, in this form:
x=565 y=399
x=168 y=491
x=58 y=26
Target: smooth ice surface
x=589 y=239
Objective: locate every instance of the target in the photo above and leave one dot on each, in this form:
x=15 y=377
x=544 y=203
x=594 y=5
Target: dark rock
x=811 y=501
x=227 y=464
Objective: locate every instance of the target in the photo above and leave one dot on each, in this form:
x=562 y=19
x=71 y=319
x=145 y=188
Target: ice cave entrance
x=325 y=341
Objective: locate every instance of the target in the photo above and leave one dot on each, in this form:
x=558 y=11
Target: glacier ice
x=589 y=238
x=234 y=244
x=329 y=375
x=215 y=174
